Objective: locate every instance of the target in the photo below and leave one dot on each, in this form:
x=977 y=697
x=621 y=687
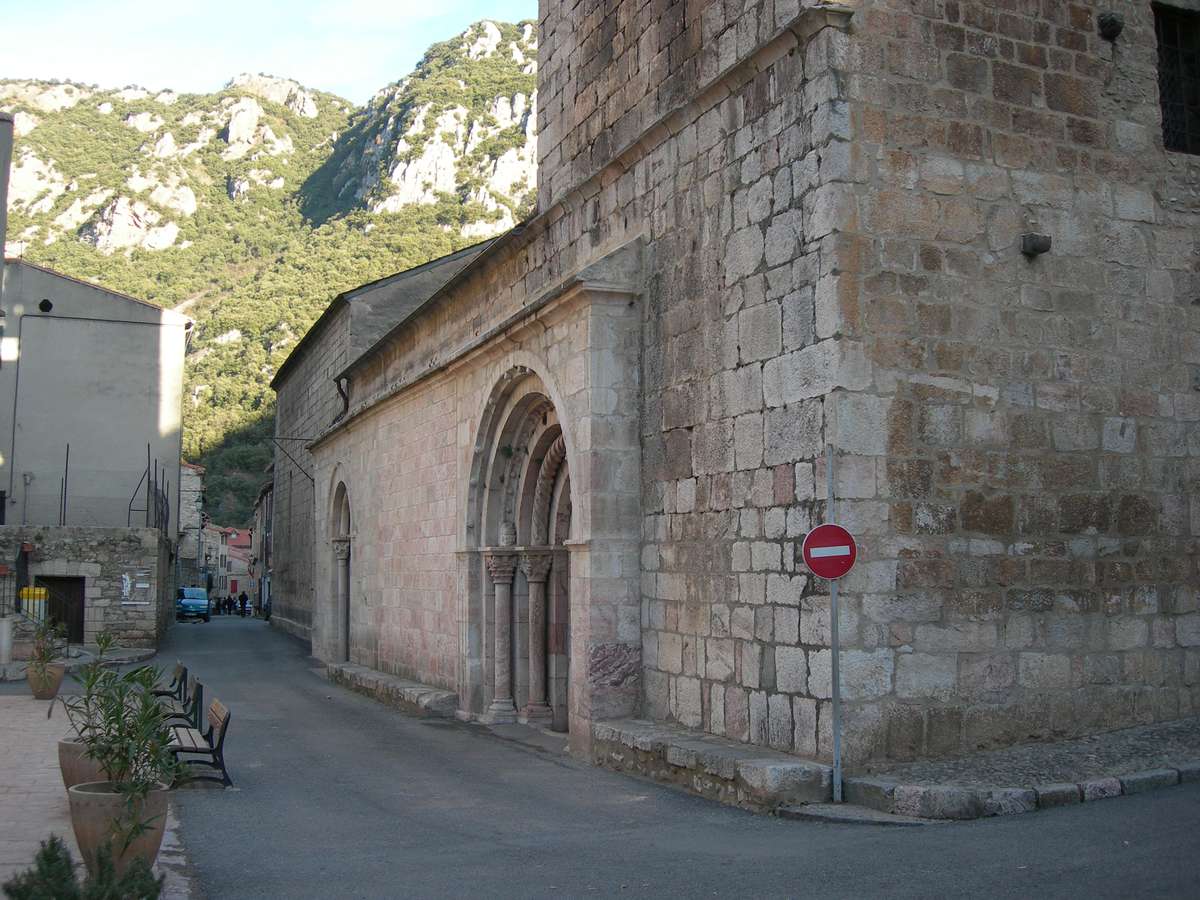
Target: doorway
x=65 y=604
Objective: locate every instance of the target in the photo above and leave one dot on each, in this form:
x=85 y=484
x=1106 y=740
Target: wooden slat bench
x=190 y=709
x=177 y=689
x=187 y=740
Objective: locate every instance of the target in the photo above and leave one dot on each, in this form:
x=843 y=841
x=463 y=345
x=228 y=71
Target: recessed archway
x=518 y=521
x=554 y=481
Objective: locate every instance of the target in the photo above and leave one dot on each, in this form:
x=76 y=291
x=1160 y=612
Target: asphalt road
x=338 y=796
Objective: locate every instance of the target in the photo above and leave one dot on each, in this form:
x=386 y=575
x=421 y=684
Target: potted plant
x=44 y=674
x=132 y=745
x=83 y=711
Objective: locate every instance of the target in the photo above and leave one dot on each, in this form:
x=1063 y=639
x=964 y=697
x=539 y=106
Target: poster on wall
x=135 y=587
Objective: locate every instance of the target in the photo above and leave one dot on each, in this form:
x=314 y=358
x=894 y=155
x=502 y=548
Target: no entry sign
x=830 y=551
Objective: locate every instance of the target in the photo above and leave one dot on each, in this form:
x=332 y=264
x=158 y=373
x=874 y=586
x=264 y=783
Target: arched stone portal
x=550 y=602
x=339 y=530
x=520 y=508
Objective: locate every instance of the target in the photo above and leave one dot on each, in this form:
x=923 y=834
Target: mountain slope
x=250 y=208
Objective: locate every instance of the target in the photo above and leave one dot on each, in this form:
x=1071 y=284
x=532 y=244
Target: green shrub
x=52 y=877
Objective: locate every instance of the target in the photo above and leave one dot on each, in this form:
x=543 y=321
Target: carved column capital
x=341 y=548
x=501 y=565
x=536 y=564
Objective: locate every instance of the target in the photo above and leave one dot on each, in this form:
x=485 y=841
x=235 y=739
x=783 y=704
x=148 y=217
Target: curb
x=15 y=671
x=960 y=802
x=848 y=814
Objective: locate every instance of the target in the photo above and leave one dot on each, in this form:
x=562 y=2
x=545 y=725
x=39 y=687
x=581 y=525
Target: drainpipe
x=6 y=143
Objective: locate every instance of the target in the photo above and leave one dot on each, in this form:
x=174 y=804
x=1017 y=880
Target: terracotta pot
x=45 y=684
x=95 y=807
x=76 y=766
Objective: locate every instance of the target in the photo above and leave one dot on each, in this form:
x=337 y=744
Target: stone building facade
x=309 y=399
x=262 y=546
x=571 y=483
x=91 y=385
x=122 y=575
x=190 y=564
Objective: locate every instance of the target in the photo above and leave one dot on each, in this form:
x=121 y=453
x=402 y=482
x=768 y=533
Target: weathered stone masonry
x=113 y=564
x=309 y=399
x=306 y=403
x=1025 y=459
x=763 y=228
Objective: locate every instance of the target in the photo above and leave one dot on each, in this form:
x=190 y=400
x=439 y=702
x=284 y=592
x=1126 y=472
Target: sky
x=348 y=47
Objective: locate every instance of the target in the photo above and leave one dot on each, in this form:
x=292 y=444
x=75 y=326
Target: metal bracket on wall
x=276 y=439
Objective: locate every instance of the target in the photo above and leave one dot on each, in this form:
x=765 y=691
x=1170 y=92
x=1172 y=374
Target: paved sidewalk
x=81 y=656
x=1036 y=776
x=1113 y=754
x=33 y=802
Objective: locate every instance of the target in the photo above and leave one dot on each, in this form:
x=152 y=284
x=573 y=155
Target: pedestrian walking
x=244 y=602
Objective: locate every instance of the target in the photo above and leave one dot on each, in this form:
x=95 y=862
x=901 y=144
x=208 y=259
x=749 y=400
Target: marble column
x=501 y=566
x=341 y=554
x=536 y=566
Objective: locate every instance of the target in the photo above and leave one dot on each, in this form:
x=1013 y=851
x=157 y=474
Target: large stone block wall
x=109 y=560
x=1023 y=466
x=400 y=470
x=737 y=373
x=306 y=404
x=610 y=71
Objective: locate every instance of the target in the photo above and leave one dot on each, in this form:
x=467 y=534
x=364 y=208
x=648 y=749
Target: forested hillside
x=251 y=208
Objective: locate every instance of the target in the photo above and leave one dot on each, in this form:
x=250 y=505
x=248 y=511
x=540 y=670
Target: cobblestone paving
x=1115 y=753
x=33 y=802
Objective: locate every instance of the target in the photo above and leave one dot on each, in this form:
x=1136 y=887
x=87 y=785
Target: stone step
x=411 y=696
x=737 y=774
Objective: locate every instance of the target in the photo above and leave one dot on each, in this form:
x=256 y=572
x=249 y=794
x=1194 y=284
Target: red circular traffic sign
x=830 y=551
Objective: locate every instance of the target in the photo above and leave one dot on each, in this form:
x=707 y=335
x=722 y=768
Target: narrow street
x=338 y=796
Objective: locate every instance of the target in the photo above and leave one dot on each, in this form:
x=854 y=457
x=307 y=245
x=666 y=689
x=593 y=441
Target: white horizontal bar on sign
x=820 y=552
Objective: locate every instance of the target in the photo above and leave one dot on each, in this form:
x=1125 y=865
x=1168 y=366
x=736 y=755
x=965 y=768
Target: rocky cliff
x=250 y=208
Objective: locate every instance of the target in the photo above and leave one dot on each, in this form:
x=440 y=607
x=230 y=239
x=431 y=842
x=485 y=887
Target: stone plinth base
x=411 y=696
x=726 y=771
x=538 y=715
x=499 y=714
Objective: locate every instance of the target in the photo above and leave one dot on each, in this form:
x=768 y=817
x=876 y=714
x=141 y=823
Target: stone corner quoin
x=572 y=487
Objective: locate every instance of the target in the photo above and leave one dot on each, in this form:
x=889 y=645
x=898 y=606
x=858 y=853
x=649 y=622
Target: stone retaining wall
x=114 y=563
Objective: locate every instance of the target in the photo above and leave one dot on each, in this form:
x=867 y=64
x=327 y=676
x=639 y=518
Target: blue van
x=192 y=602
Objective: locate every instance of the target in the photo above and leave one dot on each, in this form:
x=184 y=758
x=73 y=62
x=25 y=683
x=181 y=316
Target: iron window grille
x=1178 y=33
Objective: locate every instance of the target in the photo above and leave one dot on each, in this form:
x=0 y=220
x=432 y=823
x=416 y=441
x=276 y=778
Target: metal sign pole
x=836 y=686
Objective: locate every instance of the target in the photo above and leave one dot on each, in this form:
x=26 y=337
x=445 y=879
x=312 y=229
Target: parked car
x=192 y=602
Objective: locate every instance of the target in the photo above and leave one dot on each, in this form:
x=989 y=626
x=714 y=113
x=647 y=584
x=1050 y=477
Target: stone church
x=564 y=474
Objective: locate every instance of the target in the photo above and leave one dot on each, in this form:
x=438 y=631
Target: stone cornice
x=598 y=283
